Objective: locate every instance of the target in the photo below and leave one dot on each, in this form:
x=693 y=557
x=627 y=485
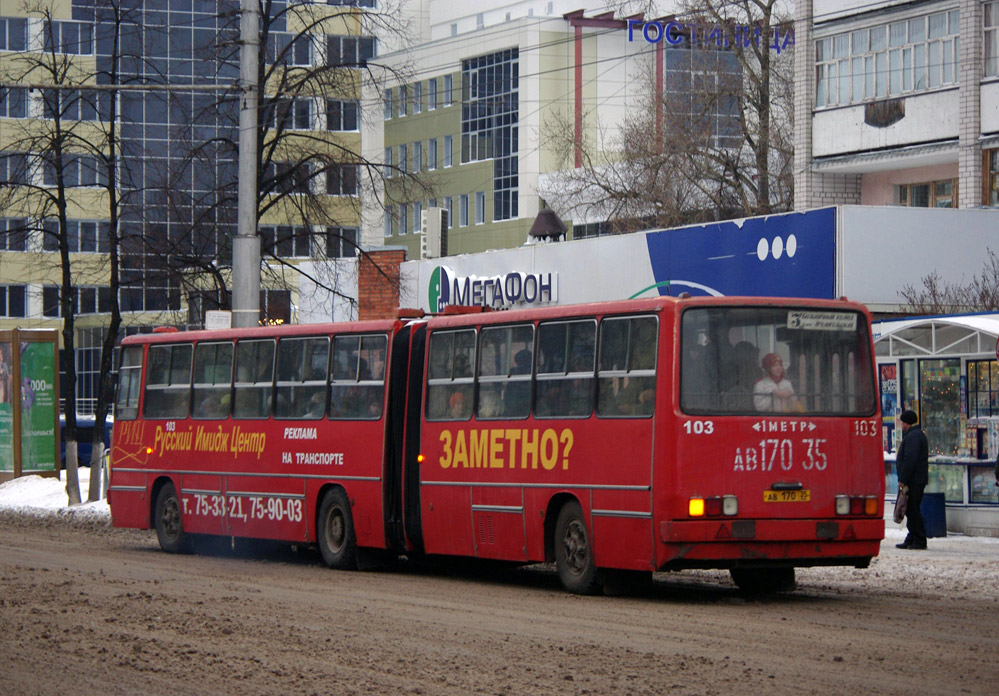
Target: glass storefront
x=940 y=405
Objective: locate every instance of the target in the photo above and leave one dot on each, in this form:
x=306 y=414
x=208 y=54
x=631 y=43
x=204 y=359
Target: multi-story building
x=178 y=63
x=897 y=103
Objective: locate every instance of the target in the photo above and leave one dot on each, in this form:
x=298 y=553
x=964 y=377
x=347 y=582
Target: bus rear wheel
x=335 y=533
x=573 y=553
x=760 y=581
x=169 y=522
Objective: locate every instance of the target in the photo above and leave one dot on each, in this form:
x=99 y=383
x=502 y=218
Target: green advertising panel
x=6 y=408
x=38 y=407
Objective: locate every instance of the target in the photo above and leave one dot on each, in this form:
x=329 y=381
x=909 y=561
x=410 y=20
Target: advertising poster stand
x=29 y=403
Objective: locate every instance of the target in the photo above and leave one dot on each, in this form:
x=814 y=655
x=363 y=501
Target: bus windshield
x=739 y=360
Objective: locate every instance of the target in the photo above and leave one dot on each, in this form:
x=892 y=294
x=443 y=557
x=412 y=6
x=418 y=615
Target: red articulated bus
x=640 y=435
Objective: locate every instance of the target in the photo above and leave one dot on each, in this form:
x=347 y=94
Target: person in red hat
x=774 y=393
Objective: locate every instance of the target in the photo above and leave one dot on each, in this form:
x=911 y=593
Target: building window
x=14 y=168
x=432 y=94
x=449 y=207
x=417 y=156
x=389 y=220
x=72 y=38
x=289 y=49
x=991 y=179
x=489 y=116
x=417 y=217
x=432 y=153
x=341 y=115
x=285 y=241
x=341 y=242
x=403 y=218
x=389 y=111
x=12 y=300
x=349 y=50
x=448 y=87
x=480 y=207
x=983 y=388
x=341 y=179
x=286 y=177
x=463 y=210
x=888 y=60
x=275 y=306
x=13 y=33
x=403 y=100
x=590 y=229
x=86 y=300
x=81 y=170
x=82 y=236
x=13 y=102
x=13 y=234
x=448 y=150
x=932 y=194
x=417 y=97
x=990 y=12
x=404 y=157
x=289 y=114
x=388 y=163
x=84 y=105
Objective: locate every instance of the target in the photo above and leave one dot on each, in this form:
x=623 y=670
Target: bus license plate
x=802 y=496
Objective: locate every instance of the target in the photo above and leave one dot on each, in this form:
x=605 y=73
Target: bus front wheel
x=763 y=580
x=169 y=522
x=573 y=552
x=335 y=532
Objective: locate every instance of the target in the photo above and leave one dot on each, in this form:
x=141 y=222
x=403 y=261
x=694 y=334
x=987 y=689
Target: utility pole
x=246 y=243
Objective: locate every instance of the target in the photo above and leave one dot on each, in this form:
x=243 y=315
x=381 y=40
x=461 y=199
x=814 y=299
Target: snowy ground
x=46 y=497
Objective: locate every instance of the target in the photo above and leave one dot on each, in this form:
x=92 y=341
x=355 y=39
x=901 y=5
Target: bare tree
x=937 y=296
x=713 y=141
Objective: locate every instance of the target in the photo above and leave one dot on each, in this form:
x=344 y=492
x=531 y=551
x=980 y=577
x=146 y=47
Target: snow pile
x=43 y=497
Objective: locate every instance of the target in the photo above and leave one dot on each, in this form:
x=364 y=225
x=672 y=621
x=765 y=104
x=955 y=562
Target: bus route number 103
x=699 y=427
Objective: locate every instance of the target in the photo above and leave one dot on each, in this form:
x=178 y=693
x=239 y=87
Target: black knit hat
x=909 y=417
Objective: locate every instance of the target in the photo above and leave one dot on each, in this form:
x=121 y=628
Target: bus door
x=403 y=525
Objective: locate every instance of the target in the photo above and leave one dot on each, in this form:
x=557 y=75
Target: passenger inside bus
x=773 y=392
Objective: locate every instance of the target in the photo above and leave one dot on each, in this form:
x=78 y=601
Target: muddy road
x=89 y=610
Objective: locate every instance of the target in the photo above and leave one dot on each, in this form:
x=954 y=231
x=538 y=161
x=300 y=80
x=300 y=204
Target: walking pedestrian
x=912 y=463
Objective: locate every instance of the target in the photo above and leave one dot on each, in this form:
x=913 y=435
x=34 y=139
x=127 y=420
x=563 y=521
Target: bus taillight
x=713 y=507
x=856 y=505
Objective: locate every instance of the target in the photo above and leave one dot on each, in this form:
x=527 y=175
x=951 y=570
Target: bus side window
x=449 y=377
x=566 y=352
x=358 y=388
x=301 y=377
x=168 y=388
x=626 y=380
x=126 y=406
x=212 y=380
x=505 y=367
x=254 y=387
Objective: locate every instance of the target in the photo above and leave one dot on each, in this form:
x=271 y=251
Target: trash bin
x=934 y=509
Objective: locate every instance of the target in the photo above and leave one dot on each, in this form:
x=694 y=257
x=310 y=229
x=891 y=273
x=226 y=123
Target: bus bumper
x=725 y=543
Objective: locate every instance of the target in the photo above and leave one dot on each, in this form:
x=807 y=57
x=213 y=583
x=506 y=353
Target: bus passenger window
x=566 y=352
x=212 y=380
x=126 y=406
x=506 y=356
x=451 y=356
x=254 y=389
x=301 y=377
x=168 y=390
x=626 y=384
x=358 y=388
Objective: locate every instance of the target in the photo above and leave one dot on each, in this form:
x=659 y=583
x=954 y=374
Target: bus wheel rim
x=575 y=547
x=171 y=518
x=336 y=530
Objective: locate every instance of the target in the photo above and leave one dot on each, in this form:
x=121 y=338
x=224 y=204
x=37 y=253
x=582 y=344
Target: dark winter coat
x=913 y=459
